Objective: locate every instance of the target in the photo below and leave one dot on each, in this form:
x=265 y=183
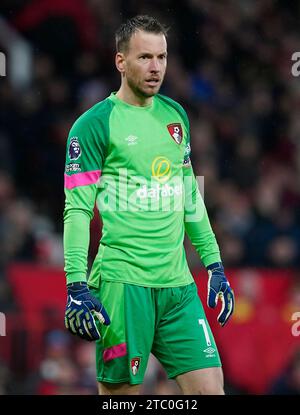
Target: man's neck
x=126 y=94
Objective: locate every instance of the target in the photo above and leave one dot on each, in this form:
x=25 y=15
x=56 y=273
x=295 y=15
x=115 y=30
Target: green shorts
x=169 y=322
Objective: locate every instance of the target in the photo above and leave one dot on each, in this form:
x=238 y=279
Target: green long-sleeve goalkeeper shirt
x=134 y=162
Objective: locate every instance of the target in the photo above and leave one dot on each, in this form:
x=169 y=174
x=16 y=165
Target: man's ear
x=120 y=62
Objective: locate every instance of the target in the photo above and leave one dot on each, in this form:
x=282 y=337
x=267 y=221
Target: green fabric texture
x=146 y=194
x=197 y=224
x=169 y=322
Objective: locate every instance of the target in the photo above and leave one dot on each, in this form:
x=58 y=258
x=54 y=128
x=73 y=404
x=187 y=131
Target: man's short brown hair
x=131 y=26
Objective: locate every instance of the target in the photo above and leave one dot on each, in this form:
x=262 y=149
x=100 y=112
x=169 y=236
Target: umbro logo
x=209 y=350
x=131 y=140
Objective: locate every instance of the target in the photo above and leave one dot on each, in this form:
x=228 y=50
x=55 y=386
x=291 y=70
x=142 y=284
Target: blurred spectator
x=288 y=383
x=58 y=373
x=85 y=362
x=5 y=377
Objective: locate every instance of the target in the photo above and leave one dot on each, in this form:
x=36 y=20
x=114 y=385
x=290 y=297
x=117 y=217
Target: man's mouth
x=152 y=81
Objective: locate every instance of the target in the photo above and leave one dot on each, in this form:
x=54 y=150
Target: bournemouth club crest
x=135 y=364
x=175 y=131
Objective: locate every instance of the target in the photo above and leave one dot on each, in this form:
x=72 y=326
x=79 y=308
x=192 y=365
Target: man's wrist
x=215 y=265
x=75 y=277
x=209 y=259
x=77 y=284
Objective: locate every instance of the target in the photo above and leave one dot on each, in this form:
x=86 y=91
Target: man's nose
x=154 y=65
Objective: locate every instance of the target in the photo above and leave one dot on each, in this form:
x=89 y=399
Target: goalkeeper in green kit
x=130 y=154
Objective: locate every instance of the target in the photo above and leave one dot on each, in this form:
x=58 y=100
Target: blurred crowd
x=229 y=66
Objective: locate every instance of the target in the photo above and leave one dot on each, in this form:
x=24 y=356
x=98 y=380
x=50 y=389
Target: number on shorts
x=203 y=324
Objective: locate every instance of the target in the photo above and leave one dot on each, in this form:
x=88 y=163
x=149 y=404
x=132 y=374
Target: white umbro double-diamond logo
x=209 y=350
x=131 y=140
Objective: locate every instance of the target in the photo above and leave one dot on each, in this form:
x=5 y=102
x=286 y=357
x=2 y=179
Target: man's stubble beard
x=139 y=91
